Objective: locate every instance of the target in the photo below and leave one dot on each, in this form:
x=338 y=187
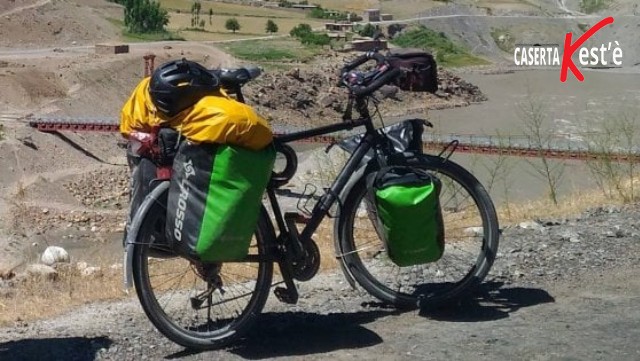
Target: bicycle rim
x=471 y=241
x=201 y=306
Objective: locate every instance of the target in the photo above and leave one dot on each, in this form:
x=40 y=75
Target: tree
x=210 y=15
x=272 y=27
x=305 y=34
x=534 y=114
x=232 y=24
x=195 y=13
x=394 y=29
x=368 y=30
x=144 y=16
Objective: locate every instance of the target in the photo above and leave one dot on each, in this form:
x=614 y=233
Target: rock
x=41 y=270
x=328 y=100
x=53 y=255
x=570 y=237
x=7 y=274
x=389 y=91
x=91 y=271
x=518 y=273
x=294 y=73
x=531 y=225
x=81 y=266
x=474 y=231
x=549 y=223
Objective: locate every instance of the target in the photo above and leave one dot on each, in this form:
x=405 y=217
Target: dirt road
x=594 y=318
x=564 y=290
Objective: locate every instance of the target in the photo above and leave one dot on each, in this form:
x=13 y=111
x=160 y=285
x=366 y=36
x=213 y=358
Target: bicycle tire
x=186 y=328
x=434 y=284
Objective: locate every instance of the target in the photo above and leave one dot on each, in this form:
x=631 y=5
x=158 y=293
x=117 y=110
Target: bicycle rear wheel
x=198 y=305
x=471 y=242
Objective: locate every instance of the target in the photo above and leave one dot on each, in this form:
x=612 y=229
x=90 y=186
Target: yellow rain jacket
x=213 y=119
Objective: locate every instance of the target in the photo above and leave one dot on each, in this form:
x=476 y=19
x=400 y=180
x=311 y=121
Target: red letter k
x=567 y=62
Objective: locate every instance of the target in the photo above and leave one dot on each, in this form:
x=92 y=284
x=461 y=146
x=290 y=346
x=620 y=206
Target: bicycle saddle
x=233 y=78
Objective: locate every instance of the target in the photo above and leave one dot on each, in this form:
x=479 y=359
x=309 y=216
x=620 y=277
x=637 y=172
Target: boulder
x=41 y=270
x=53 y=255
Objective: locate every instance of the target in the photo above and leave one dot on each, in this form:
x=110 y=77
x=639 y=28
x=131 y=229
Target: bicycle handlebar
x=379 y=58
x=386 y=77
x=364 y=85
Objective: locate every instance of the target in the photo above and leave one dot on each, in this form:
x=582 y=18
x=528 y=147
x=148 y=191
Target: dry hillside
x=50 y=23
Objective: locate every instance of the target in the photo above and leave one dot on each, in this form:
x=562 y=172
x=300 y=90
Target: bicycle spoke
x=465 y=235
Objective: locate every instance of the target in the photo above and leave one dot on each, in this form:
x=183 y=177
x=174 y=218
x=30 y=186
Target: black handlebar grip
x=355 y=63
x=379 y=58
x=378 y=83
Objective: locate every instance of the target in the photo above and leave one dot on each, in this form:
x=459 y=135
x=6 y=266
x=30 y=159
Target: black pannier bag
x=420 y=72
x=215 y=199
x=405 y=136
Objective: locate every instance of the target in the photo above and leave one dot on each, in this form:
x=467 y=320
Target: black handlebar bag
x=404 y=203
x=419 y=70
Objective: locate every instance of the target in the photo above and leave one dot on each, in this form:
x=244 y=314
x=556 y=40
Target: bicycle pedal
x=285 y=295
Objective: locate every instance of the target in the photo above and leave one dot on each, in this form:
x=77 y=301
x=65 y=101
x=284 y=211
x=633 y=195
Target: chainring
x=307 y=268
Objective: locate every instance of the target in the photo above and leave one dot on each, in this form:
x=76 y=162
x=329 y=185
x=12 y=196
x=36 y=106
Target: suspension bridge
x=517 y=146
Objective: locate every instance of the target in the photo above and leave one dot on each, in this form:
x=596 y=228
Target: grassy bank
x=447 y=53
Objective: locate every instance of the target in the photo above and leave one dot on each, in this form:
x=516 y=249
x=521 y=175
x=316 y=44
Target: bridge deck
x=517 y=146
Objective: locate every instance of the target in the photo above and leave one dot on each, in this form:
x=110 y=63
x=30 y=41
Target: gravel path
x=561 y=289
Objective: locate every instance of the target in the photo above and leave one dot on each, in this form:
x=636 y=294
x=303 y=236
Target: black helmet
x=179 y=84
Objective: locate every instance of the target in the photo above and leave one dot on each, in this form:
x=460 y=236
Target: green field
x=252 y=20
x=276 y=50
x=254 y=26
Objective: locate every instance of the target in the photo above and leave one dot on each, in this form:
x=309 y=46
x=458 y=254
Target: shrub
x=304 y=33
x=272 y=27
x=300 y=30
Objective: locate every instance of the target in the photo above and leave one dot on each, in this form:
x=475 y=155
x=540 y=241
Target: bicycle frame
x=325 y=203
x=320 y=210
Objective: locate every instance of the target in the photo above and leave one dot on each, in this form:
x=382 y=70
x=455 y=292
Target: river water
x=571 y=110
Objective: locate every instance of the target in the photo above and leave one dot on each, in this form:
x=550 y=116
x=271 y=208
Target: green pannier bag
x=406 y=205
x=215 y=198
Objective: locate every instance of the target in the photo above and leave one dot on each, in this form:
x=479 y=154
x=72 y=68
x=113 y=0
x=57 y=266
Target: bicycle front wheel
x=471 y=242
x=199 y=305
